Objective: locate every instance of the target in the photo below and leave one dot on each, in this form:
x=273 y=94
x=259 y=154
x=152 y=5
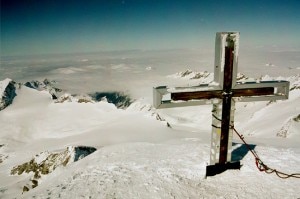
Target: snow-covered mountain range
x=109 y=145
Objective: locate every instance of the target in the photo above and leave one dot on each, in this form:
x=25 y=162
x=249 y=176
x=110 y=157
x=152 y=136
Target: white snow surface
x=137 y=155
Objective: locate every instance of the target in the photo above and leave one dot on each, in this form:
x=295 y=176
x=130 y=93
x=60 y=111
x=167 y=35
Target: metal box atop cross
x=223 y=92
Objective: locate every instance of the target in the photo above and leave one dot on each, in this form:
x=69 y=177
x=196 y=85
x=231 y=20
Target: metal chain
x=259 y=163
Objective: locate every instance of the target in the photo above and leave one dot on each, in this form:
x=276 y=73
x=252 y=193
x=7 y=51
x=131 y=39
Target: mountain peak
x=7 y=93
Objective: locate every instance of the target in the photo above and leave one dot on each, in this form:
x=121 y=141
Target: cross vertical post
x=227 y=95
x=223 y=93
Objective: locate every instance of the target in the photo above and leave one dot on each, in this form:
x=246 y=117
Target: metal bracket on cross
x=223 y=92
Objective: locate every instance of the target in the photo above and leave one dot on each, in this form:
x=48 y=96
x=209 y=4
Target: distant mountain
x=7 y=93
x=44 y=85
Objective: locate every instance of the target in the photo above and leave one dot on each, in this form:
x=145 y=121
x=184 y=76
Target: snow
x=236 y=45
x=138 y=155
x=223 y=43
x=3 y=85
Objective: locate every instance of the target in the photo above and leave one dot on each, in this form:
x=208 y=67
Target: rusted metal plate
x=253 y=92
x=198 y=95
x=228 y=67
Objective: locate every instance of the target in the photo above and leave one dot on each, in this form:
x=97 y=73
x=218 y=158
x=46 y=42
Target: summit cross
x=223 y=92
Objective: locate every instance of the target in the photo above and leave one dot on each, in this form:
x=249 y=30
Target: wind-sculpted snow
x=148 y=110
x=7 y=93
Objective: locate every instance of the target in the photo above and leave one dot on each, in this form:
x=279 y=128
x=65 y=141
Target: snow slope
x=168 y=170
x=138 y=155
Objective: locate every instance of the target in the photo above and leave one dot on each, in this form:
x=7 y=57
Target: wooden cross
x=222 y=93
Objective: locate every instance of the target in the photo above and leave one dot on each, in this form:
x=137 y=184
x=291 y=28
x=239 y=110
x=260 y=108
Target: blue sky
x=66 y=26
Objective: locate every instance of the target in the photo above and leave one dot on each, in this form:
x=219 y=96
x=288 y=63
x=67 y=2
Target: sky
x=31 y=27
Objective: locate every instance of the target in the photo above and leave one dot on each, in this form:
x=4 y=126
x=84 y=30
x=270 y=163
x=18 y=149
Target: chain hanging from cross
x=223 y=92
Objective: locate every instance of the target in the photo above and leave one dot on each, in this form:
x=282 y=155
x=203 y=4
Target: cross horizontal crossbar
x=165 y=97
x=198 y=95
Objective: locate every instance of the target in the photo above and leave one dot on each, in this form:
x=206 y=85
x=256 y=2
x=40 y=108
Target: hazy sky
x=63 y=26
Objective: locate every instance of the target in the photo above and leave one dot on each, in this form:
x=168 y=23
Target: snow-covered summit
x=137 y=154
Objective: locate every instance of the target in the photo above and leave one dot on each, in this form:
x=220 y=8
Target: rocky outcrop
x=45 y=163
x=185 y=73
x=7 y=93
x=44 y=85
x=202 y=77
x=287 y=128
x=241 y=77
x=295 y=85
x=74 y=98
x=297 y=118
x=189 y=74
x=119 y=99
